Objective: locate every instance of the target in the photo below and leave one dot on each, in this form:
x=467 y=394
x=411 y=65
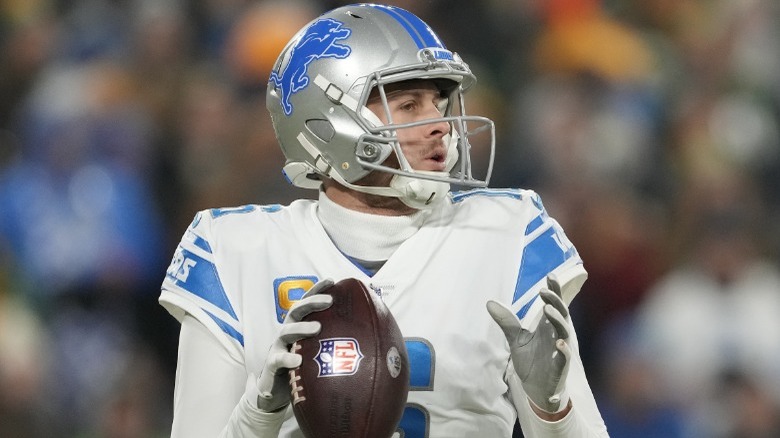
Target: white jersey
x=239 y=270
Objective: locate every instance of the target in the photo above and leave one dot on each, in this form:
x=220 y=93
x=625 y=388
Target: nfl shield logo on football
x=338 y=357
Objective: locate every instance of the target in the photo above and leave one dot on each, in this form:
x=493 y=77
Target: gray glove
x=273 y=383
x=540 y=357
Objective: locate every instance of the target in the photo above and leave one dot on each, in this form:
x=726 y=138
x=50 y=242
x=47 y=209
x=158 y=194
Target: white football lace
x=294 y=378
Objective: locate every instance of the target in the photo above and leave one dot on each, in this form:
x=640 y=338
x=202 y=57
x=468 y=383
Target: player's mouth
x=435 y=160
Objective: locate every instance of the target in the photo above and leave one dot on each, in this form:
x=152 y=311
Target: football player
x=368 y=107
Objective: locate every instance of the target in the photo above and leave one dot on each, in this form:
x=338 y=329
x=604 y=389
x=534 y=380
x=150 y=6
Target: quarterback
x=367 y=104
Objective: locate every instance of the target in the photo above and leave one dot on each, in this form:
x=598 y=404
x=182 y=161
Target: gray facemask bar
x=386 y=134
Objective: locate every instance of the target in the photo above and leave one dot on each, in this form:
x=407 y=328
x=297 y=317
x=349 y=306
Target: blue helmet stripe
x=420 y=32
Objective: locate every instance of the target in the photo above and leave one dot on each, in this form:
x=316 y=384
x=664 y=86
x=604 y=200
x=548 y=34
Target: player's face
x=413 y=101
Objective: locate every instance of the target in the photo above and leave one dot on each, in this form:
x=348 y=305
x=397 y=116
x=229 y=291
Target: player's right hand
x=273 y=383
x=540 y=356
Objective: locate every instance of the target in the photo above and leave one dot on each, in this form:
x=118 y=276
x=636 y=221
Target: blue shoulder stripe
x=523 y=310
x=537 y=222
x=201 y=243
x=198 y=276
x=233 y=333
x=540 y=257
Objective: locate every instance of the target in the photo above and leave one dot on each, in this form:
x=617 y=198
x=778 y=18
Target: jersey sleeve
x=546 y=250
x=192 y=285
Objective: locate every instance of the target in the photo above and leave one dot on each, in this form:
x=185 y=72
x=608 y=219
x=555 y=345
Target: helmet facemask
x=462 y=128
x=418 y=188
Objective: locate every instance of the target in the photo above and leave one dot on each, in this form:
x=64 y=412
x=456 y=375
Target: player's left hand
x=540 y=357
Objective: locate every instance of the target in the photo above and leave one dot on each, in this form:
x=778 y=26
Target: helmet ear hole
x=323 y=129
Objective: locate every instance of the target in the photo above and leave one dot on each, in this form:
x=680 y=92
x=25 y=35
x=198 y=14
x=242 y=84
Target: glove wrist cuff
x=268 y=401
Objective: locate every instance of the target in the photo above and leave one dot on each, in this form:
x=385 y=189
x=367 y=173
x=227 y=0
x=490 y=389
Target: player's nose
x=438 y=127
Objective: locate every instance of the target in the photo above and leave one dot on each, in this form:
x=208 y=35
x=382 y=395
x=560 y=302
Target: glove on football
x=540 y=357
x=273 y=383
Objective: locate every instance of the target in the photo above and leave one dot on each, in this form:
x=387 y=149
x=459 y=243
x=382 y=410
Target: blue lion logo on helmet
x=319 y=41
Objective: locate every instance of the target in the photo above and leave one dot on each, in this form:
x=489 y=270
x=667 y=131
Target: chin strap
x=420 y=193
x=417 y=193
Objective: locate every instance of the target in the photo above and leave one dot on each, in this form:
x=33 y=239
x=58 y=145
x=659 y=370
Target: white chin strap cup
x=419 y=193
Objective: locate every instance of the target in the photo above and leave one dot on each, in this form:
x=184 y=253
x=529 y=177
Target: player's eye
x=408 y=106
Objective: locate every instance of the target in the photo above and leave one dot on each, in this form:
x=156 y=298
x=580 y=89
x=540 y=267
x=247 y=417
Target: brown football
x=354 y=377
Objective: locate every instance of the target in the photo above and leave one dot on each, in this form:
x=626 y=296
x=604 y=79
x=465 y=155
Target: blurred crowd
x=651 y=128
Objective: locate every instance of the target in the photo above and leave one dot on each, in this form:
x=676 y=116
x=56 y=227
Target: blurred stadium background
x=651 y=128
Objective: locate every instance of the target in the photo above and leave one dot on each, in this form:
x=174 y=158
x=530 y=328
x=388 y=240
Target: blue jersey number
x=416 y=420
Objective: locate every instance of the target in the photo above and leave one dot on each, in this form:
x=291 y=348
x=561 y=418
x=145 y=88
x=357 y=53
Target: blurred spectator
x=740 y=407
x=78 y=216
x=632 y=402
x=103 y=381
x=27 y=37
x=24 y=354
x=580 y=36
x=259 y=34
x=75 y=207
x=715 y=313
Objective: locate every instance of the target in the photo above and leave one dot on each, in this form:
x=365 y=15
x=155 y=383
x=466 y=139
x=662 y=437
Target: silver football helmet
x=317 y=96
